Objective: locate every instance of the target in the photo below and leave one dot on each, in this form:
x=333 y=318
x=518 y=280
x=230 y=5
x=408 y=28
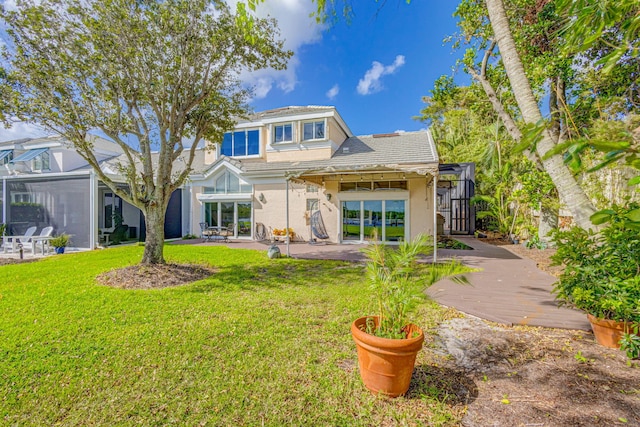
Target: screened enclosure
x=63 y=203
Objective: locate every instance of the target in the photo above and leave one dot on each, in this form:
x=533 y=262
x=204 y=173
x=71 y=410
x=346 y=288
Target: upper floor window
x=313 y=130
x=6 y=156
x=41 y=162
x=283 y=133
x=241 y=143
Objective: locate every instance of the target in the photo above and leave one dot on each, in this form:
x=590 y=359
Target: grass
x=261 y=342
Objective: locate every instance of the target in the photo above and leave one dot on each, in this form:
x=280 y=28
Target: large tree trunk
x=154 y=217
x=570 y=192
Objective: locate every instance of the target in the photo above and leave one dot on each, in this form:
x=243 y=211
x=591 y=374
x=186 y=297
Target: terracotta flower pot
x=386 y=364
x=608 y=332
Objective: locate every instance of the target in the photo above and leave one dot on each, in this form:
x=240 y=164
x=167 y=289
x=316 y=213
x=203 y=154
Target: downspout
x=435 y=217
x=4 y=202
x=93 y=210
x=286 y=233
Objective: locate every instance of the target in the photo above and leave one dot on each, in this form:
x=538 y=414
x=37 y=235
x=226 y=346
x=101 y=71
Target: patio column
x=286 y=232
x=435 y=217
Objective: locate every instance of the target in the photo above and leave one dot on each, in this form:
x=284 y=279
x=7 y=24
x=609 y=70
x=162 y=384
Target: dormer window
x=313 y=130
x=6 y=156
x=283 y=133
x=41 y=162
x=241 y=143
x=39 y=158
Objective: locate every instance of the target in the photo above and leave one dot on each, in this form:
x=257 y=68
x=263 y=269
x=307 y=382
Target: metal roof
x=29 y=155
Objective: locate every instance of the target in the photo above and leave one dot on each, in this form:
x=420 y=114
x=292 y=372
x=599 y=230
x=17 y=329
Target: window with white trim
x=241 y=143
x=283 y=133
x=313 y=130
x=312 y=204
x=228 y=183
x=41 y=162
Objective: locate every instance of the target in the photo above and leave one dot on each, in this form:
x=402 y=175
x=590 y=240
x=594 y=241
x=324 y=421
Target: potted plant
x=602 y=273
x=277 y=233
x=388 y=342
x=60 y=242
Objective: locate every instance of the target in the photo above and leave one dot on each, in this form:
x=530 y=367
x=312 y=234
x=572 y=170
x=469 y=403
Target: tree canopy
x=157 y=77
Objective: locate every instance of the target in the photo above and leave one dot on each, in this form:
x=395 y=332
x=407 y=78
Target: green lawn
x=259 y=343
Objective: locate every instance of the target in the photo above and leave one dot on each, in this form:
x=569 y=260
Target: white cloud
x=333 y=92
x=371 y=82
x=21 y=130
x=297 y=28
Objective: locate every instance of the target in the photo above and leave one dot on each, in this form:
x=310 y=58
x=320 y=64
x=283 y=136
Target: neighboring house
x=276 y=168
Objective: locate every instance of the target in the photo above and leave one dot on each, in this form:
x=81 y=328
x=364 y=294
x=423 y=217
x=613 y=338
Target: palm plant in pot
x=602 y=273
x=388 y=342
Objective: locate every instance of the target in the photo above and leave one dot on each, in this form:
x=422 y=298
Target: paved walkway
x=509 y=289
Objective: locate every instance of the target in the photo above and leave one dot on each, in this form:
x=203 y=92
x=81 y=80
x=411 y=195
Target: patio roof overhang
x=317 y=175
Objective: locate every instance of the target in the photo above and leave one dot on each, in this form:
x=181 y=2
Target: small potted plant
x=388 y=342
x=602 y=273
x=60 y=242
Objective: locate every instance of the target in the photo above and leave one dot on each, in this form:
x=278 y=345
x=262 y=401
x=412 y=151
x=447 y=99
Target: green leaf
x=609 y=145
x=634 y=180
x=634 y=215
x=601 y=217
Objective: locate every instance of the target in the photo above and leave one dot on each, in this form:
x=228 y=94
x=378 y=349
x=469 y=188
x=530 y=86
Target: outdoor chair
x=14 y=241
x=317 y=227
x=207 y=232
x=43 y=238
x=226 y=232
x=26 y=238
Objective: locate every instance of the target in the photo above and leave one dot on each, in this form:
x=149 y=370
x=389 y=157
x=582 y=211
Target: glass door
x=379 y=220
x=244 y=219
x=225 y=214
x=372 y=220
x=351 y=220
x=394 y=220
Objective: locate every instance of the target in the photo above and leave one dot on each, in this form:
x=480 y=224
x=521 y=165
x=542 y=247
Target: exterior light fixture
x=261 y=198
x=328 y=196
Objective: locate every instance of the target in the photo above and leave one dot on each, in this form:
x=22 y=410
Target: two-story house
x=281 y=166
x=288 y=166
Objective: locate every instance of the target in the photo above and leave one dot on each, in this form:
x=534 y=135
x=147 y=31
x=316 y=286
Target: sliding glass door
x=225 y=214
x=379 y=220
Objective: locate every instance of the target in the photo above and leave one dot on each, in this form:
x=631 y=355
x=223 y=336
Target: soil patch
x=8 y=261
x=154 y=276
x=528 y=376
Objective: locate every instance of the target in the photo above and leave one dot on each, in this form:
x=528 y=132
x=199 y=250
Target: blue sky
x=405 y=41
x=374 y=70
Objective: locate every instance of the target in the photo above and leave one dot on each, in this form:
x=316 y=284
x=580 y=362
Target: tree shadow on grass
x=278 y=275
x=444 y=384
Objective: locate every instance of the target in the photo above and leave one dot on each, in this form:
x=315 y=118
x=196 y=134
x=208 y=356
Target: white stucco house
x=291 y=166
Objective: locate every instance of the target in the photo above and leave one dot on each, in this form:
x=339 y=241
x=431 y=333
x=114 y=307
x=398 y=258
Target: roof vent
x=385 y=135
x=345 y=149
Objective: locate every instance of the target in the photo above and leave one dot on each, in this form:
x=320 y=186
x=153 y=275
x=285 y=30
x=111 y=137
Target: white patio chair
x=45 y=235
x=26 y=237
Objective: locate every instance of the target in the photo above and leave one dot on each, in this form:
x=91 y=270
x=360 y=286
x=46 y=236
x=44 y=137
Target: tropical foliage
x=602 y=271
x=397 y=281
